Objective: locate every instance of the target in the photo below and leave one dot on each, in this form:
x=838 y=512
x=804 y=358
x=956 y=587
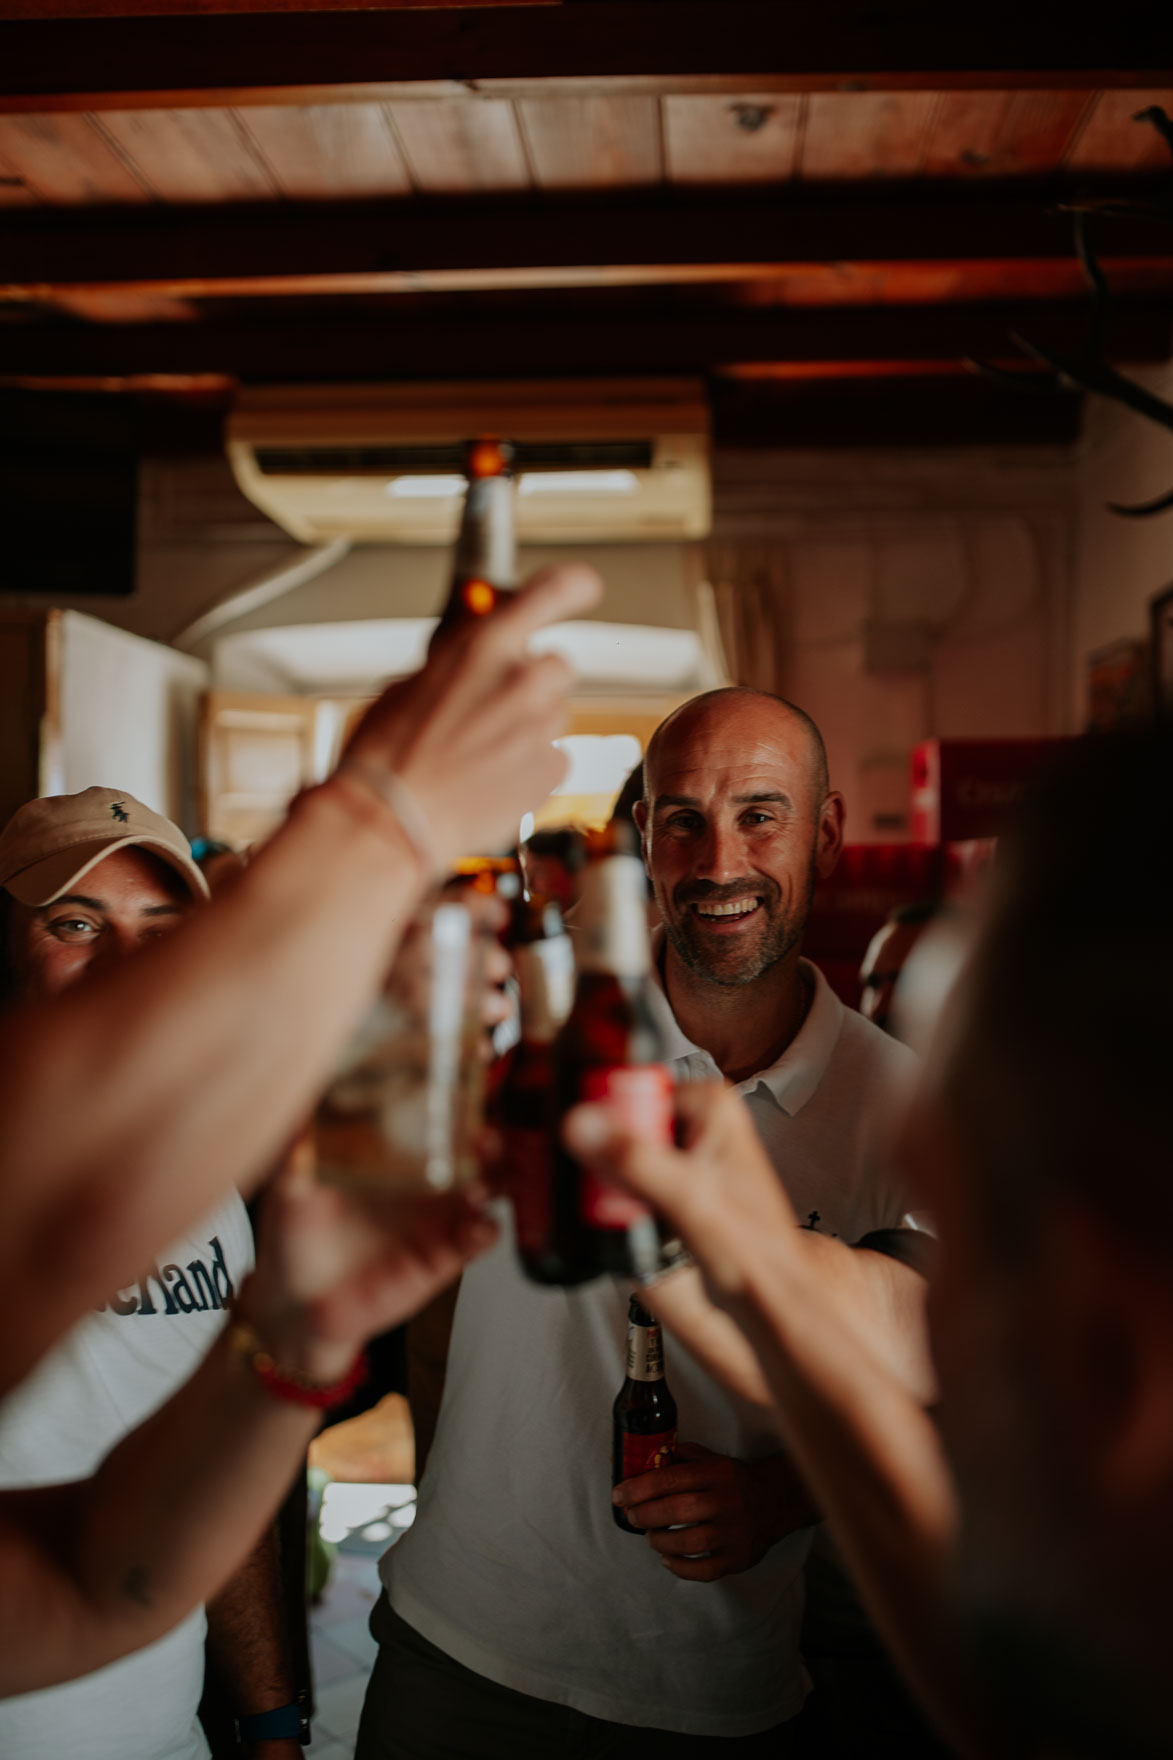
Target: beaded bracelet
x=288 y=1384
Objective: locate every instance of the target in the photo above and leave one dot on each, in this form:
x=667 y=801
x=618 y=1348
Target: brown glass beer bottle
x=610 y=1048
x=485 y=565
x=644 y=1426
x=544 y=962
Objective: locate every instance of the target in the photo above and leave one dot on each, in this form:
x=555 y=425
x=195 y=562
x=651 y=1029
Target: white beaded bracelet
x=394 y=793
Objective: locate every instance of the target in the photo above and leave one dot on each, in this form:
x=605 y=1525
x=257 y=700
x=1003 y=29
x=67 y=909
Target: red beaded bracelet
x=287 y=1384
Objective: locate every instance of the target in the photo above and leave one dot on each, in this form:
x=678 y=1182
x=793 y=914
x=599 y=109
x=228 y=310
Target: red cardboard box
x=964 y=789
x=870 y=880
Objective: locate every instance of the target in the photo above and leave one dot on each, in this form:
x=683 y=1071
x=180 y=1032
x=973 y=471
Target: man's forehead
x=149 y=879
x=727 y=762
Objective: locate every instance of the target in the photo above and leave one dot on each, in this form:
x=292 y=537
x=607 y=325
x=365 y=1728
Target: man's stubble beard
x=782 y=936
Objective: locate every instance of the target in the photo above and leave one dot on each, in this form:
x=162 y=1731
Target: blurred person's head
x=1043 y=1147
x=884 y=959
x=84 y=880
x=551 y=862
x=217 y=862
x=737 y=820
x=631 y=792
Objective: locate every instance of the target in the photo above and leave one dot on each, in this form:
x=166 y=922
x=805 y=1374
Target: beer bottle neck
x=486 y=549
x=613 y=919
x=645 y=1353
x=545 y=972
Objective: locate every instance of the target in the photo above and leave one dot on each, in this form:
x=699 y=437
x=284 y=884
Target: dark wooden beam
x=556 y=344
x=73 y=9
x=651 y=45
x=416 y=246
x=877 y=412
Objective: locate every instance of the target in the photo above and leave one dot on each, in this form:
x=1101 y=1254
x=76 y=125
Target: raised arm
x=93 y=1570
x=131 y=1103
x=855 y=1427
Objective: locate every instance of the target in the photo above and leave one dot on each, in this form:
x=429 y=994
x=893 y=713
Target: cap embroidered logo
x=118 y=811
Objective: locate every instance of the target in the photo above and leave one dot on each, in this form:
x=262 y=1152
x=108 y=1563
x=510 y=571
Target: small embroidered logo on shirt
x=118 y=811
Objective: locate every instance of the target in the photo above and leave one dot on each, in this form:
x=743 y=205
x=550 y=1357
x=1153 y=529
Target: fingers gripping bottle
x=610 y=1048
x=644 y=1413
x=485 y=565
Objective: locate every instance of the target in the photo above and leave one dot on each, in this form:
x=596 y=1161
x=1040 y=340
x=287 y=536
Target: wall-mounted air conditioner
x=597 y=461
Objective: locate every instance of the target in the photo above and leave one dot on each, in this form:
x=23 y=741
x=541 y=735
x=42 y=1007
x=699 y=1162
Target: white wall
x=128 y=717
x=973 y=543
x=976 y=545
x=1121 y=563
x=964 y=554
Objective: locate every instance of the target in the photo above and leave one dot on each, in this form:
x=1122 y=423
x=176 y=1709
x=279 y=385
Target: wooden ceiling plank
x=328 y=151
x=1112 y=140
x=921 y=45
x=191 y=156
x=16 y=191
x=457 y=146
x=866 y=134
x=752 y=138
x=1011 y=134
x=67 y=161
x=968 y=134
x=592 y=143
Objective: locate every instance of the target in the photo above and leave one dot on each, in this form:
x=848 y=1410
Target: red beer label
x=643 y=1454
x=527 y=1163
x=642 y=1095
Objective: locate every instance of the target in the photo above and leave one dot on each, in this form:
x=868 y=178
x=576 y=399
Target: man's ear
x=829 y=834
x=1111 y=1351
x=639 y=813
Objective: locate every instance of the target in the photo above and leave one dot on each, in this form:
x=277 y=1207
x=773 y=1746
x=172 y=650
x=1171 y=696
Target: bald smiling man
x=519 y=1618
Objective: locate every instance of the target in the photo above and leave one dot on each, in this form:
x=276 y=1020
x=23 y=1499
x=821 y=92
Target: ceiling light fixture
x=433 y=488
x=578 y=483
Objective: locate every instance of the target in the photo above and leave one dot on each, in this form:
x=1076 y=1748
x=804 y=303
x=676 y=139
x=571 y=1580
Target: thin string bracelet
x=289 y=1384
x=395 y=794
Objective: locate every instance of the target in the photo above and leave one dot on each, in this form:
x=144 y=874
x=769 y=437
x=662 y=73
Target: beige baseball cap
x=50 y=843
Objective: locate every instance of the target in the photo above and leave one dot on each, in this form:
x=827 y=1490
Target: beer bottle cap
x=488 y=458
x=619 y=838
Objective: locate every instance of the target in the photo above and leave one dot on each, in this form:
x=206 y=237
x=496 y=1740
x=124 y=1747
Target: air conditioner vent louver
x=622 y=459
x=394 y=461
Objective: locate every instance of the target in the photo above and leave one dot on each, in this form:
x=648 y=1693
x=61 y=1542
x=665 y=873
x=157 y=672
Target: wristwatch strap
x=283 y=1723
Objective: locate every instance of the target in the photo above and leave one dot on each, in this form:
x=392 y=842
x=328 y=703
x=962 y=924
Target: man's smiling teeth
x=736 y=907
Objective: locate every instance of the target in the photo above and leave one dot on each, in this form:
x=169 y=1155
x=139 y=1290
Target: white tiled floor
x=341 y=1647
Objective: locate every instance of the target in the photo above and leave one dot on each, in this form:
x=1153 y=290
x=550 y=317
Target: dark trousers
x=421 y=1705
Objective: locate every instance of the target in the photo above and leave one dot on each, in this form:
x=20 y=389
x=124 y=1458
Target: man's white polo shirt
x=514 y=1566
x=830 y=1101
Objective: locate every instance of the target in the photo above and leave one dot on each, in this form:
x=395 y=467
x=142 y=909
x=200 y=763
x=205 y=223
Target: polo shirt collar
x=793 y=1078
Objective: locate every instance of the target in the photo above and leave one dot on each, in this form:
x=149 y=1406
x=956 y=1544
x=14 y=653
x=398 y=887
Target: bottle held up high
x=485 y=565
x=404 y=1107
x=610 y=1048
x=644 y=1413
x=484 y=571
